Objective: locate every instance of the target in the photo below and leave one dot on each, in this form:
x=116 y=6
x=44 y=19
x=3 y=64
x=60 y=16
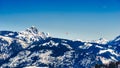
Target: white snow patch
x=85 y=61
x=4 y=56
x=80 y=40
x=11 y=34
x=108 y=50
x=88 y=44
x=100 y=41
x=68 y=46
x=24 y=44
x=99 y=46
x=113 y=58
x=104 y=60
x=85 y=46
x=44 y=57
x=51 y=42
x=7 y=39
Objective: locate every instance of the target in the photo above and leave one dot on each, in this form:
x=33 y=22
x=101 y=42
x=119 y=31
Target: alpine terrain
x=34 y=48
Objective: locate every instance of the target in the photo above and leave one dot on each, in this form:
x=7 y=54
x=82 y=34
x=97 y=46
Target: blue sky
x=71 y=19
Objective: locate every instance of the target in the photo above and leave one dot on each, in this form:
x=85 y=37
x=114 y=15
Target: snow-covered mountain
x=34 y=48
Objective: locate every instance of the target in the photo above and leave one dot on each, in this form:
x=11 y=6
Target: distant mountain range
x=34 y=48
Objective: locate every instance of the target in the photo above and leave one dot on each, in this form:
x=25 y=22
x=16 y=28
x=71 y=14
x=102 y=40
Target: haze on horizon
x=70 y=19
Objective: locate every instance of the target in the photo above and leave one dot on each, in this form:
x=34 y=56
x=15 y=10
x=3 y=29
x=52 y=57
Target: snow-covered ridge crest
x=32 y=48
x=32 y=30
x=101 y=41
x=117 y=38
x=35 y=32
x=32 y=34
x=25 y=37
x=7 y=39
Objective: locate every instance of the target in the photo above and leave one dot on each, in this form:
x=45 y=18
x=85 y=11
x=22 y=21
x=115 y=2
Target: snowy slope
x=31 y=48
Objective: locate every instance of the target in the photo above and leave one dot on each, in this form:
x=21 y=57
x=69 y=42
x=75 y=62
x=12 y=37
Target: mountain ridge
x=34 y=48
